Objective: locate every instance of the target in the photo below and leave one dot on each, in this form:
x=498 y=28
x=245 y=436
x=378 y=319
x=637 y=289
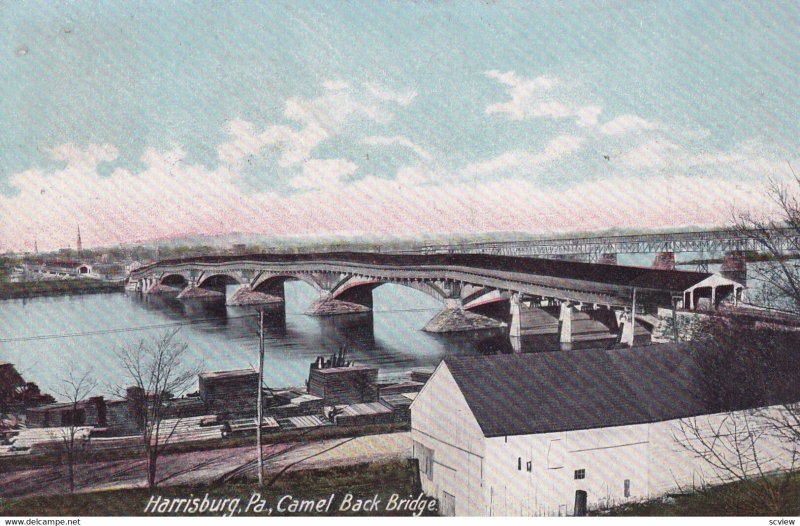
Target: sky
x=143 y=120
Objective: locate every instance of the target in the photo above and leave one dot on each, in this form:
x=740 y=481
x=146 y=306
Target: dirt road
x=210 y=466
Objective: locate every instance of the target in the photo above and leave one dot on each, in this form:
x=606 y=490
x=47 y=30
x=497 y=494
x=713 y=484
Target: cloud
x=397 y=140
x=536 y=97
x=627 y=124
x=323 y=173
x=319 y=119
x=652 y=154
x=748 y=160
x=335 y=85
x=525 y=162
x=655 y=180
x=170 y=196
x=87 y=159
x=385 y=94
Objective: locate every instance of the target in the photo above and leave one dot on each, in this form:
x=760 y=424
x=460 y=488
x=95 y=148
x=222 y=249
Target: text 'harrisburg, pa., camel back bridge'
x=477 y=290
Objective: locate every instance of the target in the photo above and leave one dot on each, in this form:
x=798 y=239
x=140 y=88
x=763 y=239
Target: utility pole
x=260 y=399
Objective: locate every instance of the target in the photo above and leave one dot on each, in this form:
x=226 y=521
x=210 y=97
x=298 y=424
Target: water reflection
x=224 y=337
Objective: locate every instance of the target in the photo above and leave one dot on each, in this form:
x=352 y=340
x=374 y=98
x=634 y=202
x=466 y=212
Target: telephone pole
x=260 y=400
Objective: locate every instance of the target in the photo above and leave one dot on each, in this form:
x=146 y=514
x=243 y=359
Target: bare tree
x=777 y=239
x=750 y=384
x=745 y=447
x=158 y=372
x=74 y=389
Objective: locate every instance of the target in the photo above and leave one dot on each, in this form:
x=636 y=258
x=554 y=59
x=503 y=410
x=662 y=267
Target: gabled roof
x=521 y=394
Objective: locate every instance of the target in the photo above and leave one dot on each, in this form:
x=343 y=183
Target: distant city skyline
x=148 y=120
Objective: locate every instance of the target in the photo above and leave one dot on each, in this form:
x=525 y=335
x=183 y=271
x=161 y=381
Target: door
x=580 y=503
x=448 y=505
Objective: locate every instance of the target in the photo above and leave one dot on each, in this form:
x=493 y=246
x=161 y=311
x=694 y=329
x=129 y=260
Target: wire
x=161 y=326
x=114 y=331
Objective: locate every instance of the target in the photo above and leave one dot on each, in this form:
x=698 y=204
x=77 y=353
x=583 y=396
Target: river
x=46 y=336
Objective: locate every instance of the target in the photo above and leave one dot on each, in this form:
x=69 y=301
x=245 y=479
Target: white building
x=556 y=433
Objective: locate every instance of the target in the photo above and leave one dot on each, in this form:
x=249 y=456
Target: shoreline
x=34 y=289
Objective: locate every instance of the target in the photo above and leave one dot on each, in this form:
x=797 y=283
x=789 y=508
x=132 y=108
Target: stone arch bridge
x=477 y=291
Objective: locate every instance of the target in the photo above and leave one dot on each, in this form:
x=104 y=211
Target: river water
x=44 y=337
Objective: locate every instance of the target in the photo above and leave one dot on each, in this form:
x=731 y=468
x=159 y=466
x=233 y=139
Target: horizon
x=393 y=121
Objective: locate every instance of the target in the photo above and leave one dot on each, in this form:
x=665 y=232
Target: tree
x=75 y=389
x=750 y=383
x=157 y=372
x=778 y=238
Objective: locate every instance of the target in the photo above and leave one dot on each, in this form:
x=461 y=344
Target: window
x=519 y=463
x=429 y=463
x=580 y=474
x=555 y=454
x=425 y=457
x=448 y=505
x=627 y=488
x=530 y=466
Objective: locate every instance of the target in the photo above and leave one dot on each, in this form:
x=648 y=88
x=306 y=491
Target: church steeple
x=79 y=239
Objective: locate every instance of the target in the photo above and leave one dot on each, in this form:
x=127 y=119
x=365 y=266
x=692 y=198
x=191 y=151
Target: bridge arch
x=219 y=280
x=174 y=280
x=359 y=290
x=273 y=283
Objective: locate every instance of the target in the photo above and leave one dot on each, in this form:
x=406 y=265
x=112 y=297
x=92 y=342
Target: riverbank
x=32 y=289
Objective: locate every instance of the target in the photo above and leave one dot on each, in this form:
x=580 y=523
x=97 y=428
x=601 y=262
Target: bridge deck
x=613 y=275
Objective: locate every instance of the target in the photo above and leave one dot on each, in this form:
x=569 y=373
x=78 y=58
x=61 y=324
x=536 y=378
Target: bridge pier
x=627 y=326
x=147 y=285
x=565 y=323
x=245 y=295
x=192 y=291
x=515 y=327
x=455 y=318
x=734 y=267
x=327 y=305
x=664 y=261
x=607 y=258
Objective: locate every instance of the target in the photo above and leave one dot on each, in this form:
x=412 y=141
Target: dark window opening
x=580 y=474
x=425 y=457
x=627 y=488
x=580 y=503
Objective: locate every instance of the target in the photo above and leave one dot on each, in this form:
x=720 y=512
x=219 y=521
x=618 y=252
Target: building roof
x=368 y=408
x=521 y=394
x=348 y=369
x=235 y=373
x=58 y=406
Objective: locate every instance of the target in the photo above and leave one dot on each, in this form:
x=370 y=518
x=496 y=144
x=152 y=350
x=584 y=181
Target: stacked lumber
x=344 y=385
x=364 y=414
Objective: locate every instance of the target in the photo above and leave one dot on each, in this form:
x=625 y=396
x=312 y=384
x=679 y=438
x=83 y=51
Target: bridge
x=605 y=248
x=477 y=291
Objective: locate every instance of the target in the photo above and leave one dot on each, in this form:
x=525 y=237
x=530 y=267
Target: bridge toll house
x=578 y=301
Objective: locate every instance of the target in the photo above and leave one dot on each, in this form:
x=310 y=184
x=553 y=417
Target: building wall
x=443 y=423
x=533 y=475
x=649 y=456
